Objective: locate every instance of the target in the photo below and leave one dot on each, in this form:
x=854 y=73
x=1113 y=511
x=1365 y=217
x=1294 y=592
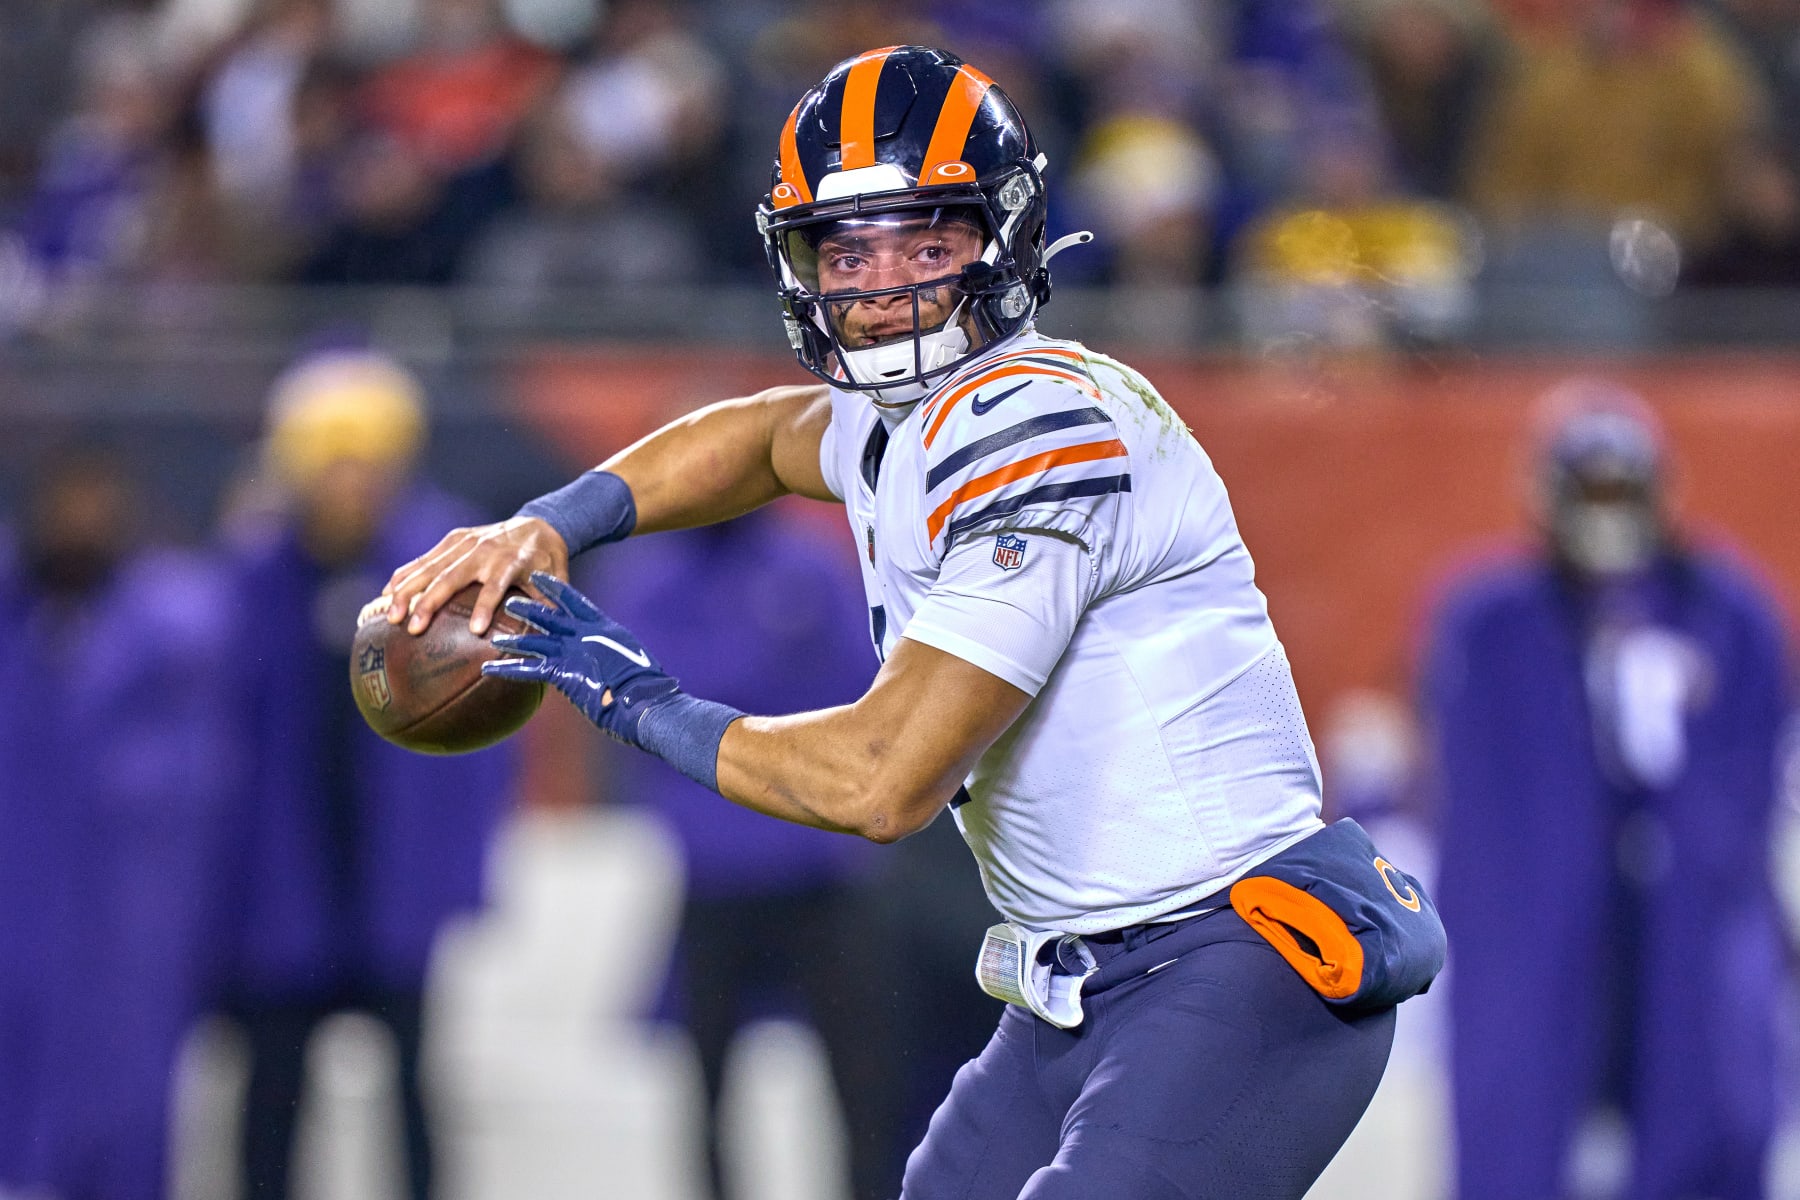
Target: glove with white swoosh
x=603 y=670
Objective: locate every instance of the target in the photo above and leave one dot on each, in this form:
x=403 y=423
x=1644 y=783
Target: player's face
x=1608 y=528
x=893 y=252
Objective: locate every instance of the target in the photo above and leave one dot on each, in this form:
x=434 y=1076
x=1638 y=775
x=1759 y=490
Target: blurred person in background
x=1351 y=262
x=606 y=165
x=766 y=611
x=352 y=854
x=1153 y=184
x=37 y=44
x=425 y=171
x=276 y=113
x=1430 y=63
x=1604 y=714
x=1767 y=34
x=117 y=762
x=86 y=217
x=1620 y=110
x=1760 y=246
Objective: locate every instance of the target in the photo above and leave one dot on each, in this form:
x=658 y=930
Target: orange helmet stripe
x=955 y=119
x=856 y=124
x=790 y=158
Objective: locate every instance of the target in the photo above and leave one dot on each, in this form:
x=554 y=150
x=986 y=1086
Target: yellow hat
x=343 y=405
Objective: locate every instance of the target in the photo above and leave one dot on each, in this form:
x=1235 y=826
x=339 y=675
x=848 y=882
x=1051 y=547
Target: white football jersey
x=1046 y=516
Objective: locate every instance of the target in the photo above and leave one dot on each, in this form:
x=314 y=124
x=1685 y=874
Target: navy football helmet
x=907 y=137
x=1602 y=478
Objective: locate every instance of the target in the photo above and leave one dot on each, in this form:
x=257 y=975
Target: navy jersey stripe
x=1030 y=428
x=1039 y=495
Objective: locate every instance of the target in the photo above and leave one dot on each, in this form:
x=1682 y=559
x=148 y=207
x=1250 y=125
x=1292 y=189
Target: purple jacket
x=1538 y=913
x=117 y=761
x=422 y=825
x=764 y=613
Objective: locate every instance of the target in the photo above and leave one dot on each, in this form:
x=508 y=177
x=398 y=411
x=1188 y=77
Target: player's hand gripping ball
x=584 y=654
x=426 y=692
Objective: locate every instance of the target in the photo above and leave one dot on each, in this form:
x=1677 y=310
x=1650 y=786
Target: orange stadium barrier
x=1359 y=484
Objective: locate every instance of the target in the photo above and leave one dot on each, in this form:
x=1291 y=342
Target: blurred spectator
x=765 y=610
x=1637 y=110
x=1430 y=64
x=86 y=218
x=250 y=101
x=1149 y=186
x=454 y=102
x=353 y=852
x=1351 y=262
x=117 y=763
x=276 y=112
x=1760 y=245
x=425 y=172
x=603 y=165
x=398 y=222
x=36 y=55
x=578 y=229
x=1605 y=714
x=1229 y=90
x=1767 y=34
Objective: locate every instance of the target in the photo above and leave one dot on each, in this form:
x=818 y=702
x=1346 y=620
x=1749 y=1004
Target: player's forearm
x=834 y=769
x=711 y=465
x=727 y=459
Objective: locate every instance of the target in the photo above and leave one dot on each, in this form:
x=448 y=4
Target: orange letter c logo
x=1388 y=872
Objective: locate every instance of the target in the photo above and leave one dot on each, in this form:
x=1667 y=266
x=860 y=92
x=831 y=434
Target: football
x=427 y=692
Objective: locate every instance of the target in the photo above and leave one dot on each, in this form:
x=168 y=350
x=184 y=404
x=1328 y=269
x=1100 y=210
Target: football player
x=1076 y=662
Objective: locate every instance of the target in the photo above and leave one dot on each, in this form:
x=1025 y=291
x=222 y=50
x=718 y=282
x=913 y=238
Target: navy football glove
x=611 y=678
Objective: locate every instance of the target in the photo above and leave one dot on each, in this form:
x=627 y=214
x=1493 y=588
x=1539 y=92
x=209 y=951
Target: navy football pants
x=1221 y=1076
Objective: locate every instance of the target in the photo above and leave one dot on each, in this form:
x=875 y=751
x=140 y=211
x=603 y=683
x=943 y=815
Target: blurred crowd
x=1350 y=168
x=195 y=818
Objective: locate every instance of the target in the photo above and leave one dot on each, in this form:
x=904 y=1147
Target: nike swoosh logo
x=637 y=656
x=980 y=407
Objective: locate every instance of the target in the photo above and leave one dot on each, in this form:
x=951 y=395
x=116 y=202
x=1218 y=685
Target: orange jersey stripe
x=790 y=158
x=951 y=132
x=956 y=379
x=952 y=399
x=994 y=480
x=856 y=123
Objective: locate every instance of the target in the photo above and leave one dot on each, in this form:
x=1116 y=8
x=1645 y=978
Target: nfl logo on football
x=372 y=675
x=1009 y=552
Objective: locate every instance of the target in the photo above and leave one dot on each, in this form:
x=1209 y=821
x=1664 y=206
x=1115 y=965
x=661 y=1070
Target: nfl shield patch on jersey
x=1009 y=552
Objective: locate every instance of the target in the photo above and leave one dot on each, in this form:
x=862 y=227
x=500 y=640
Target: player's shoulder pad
x=1023 y=431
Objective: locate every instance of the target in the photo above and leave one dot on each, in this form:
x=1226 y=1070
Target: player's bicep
x=1008 y=602
x=801 y=416
x=934 y=714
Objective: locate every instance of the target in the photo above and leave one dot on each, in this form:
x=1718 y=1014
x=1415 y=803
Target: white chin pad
x=879 y=364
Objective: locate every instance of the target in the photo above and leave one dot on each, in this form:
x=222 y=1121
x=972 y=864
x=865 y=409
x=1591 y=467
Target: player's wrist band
x=596 y=508
x=685 y=732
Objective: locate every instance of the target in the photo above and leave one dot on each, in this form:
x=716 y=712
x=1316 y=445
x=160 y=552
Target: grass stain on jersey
x=1141 y=388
